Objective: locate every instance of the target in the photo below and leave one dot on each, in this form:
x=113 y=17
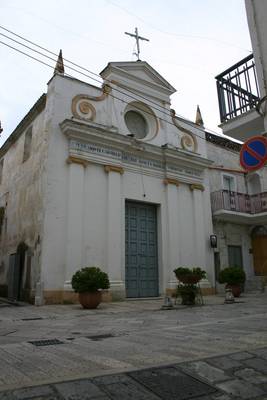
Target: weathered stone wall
x=234 y=235
x=21 y=195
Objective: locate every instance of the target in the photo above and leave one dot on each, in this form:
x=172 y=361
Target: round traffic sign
x=253 y=153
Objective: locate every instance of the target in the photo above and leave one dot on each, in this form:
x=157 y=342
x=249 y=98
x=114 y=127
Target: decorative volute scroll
x=82 y=107
x=188 y=141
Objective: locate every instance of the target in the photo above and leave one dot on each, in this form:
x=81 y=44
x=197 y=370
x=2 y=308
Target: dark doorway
x=19 y=274
x=235 y=256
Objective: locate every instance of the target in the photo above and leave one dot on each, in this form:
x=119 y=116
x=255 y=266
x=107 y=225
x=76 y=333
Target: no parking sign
x=253 y=153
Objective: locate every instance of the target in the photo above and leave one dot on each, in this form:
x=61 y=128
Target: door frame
x=158 y=240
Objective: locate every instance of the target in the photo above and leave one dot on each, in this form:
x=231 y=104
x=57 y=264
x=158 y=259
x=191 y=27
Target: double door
x=141 y=250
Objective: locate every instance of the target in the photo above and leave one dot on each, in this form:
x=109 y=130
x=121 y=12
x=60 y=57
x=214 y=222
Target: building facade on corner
x=109 y=177
x=238 y=197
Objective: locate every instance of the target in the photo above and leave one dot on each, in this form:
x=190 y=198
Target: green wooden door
x=141 y=250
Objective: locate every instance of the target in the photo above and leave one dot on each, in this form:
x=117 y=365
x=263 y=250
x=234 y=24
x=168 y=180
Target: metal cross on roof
x=137 y=38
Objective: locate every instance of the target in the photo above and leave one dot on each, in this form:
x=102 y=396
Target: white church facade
x=105 y=176
x=110 y=176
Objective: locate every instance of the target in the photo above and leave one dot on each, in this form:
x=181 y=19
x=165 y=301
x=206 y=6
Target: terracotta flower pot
x=90 y=300
x=188 y=299
x=236 y=289
x=188 y=279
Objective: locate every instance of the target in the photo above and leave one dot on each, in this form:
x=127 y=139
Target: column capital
x=77 y=160
x=113 y=168
x=171 y=181
x=197 y=186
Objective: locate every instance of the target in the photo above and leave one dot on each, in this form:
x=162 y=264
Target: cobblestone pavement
x=121 y=350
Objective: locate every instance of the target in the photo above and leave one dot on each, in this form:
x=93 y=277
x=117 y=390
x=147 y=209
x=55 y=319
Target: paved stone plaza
x=135 y=350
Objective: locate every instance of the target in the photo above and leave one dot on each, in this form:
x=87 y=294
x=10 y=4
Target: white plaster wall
x=256 y=16
x=208 y=229
x=228 y=159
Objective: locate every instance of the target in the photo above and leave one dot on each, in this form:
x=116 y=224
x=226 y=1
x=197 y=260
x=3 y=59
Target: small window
x=27 y=144
x=229 y=183
x=1 y=170
x=136 y=124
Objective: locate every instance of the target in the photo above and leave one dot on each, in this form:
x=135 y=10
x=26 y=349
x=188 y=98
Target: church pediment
x=137 y=72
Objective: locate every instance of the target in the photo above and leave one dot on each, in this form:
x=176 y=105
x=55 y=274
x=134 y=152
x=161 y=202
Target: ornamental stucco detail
x=188 y=140
x=82 y=107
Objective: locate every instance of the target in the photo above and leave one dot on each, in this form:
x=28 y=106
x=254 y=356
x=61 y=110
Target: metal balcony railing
x=237 y=88
x=239 y=202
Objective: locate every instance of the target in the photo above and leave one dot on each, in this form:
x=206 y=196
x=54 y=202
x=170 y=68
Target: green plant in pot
x=234 y=278
x=188 y=278
x=87 y=282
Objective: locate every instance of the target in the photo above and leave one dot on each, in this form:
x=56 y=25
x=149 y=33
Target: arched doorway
x=259 y=249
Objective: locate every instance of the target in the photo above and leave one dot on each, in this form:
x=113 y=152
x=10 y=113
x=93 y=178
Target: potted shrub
x=188 y=293
x=189 y=279
x=87 y=282
x=234 y=277
x=189 y=276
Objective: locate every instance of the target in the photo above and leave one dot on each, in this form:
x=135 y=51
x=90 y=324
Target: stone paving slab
x=225 y=363
x=241 y=381
x=229 y=340
x=165 y=383
x=244 y=355
x=124 y=387
x=239 y=388
x=204 y=370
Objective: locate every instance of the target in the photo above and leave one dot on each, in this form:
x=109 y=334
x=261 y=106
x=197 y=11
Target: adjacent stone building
x=239 y=198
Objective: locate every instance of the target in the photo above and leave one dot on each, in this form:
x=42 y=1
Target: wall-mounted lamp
x=213 y=241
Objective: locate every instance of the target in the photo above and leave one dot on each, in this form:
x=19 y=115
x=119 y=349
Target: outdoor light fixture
x=213 y=241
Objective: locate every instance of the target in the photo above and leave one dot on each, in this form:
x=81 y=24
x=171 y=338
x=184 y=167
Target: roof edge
x=36 y=109
x=119 y=65
x=222 y=141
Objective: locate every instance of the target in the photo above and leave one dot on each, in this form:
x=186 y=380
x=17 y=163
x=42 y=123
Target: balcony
x=239 y=207
x=238 y=95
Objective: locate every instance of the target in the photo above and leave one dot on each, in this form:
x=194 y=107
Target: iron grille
x=45 y=342
x=237 y=88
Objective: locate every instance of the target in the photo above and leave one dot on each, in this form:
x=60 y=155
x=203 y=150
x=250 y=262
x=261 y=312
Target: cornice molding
x=103 y=145
x=108 y=136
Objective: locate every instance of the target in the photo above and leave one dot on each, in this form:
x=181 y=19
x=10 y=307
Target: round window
x=136 y=124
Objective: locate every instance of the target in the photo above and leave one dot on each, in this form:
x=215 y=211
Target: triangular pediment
x=137 y=72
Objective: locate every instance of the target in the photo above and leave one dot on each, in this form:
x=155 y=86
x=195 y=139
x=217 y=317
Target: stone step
x=255 y=283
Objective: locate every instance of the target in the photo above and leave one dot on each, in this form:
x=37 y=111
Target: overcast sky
x=191 y=41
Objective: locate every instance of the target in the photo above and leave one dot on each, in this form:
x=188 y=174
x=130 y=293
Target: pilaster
x=173 y=230
x=199 y=228
x=115 y=246
x=75 y=218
